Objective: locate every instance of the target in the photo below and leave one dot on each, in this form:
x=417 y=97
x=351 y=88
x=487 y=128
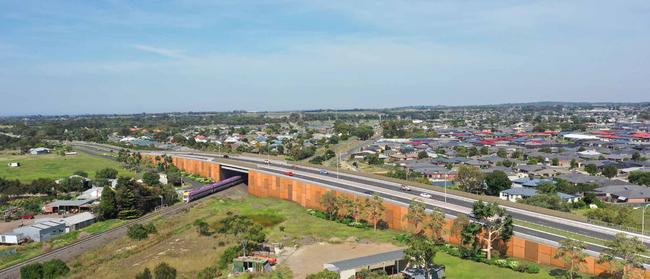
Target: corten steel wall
x=198 y=167
x=308 y=195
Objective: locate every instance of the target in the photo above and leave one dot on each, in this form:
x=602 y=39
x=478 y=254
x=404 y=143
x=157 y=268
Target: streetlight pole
x=643 y=218
x=446 y=178
x=337 y=165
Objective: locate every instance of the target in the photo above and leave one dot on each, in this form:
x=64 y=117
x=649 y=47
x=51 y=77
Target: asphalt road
x=345 y=180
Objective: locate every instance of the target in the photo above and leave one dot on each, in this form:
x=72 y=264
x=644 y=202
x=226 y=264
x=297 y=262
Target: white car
x=425 y=195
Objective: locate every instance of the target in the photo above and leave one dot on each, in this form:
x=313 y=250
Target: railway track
x=85 y=243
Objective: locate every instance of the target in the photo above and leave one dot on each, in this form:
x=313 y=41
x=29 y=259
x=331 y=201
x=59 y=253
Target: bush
x=228 y=255
x=146 y=274
x=140 y=232
x=521 y=268
x=532 y=269
x=54 y=269
x=32 y=271
x=48 y=270
x=164 y=271
x=501 y=263
x=513 y=264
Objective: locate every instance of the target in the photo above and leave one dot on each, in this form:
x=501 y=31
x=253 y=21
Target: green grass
x=459 y=268
x=54 y=166
x=103 y=226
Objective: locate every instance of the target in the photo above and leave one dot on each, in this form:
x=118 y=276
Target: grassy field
x=178 y=243
x=54 y=166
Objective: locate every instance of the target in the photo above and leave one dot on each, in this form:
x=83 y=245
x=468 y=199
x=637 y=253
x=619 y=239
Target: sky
x=91 y=57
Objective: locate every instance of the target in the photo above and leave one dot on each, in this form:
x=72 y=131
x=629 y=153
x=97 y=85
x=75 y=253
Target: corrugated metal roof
x=368 y=260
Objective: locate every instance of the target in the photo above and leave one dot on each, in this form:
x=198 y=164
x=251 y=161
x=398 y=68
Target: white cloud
x=169 y=53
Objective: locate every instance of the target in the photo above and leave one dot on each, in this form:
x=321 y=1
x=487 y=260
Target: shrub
x=513 y=264
x=32 y=271
x=521 y=268
x=501 y=263
x=146 y=274
x=54 y=269
x=164 y=271
x=140 y=232
x=532 y=269
x=228 y=255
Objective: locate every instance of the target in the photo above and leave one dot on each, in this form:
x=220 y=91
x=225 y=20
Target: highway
x=453 y=206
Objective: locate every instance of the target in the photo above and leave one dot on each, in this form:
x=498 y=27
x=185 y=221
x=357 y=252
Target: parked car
x=323 y=171
x=288 y=173
x=405 y=187
x=425 y=195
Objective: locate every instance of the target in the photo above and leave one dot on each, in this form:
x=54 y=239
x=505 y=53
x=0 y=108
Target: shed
x=392 y=262
x=251 y=264
x=42 y=231
x=12 y=238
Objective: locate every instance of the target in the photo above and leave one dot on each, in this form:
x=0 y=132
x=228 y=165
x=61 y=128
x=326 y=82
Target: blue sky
x=75 y=57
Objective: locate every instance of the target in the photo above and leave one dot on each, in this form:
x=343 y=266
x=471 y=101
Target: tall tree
x=610 y=171
x=415 y=215
x=421 y=253
x=330 y=203
x=623 y=254
x=375 y=209
x=495 y=223
x=496 y=182
x=107 y=208
x=470 y=179
x=571 y=253
x=434 y=223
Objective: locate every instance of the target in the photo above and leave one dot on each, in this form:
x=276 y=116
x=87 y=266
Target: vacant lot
x=54 y=166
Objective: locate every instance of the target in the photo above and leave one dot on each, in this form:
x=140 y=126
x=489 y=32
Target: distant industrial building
x=41 y=231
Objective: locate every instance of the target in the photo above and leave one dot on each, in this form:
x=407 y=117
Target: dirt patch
x=310 y=258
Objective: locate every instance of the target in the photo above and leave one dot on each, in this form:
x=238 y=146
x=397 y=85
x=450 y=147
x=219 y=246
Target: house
x=201 y=139
x=39 y=150
x=624 y=193
x=515 y=194
x=14 y=164
x=392 y=262
x=94 y=193
x=42 y=231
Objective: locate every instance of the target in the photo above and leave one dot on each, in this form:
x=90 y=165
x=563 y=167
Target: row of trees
x=371 y=209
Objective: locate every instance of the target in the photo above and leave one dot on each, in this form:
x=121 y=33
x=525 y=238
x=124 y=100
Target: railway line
x=76 y=248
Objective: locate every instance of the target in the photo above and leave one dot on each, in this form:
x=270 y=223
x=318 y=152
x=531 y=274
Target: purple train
x=210 y=188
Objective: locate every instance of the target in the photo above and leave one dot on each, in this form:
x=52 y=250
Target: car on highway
x=405 y=187
x=368 y=192
x=288 y=173
x=267 y=162
x=322 y=171
x=226 y=156
x=425 y=195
